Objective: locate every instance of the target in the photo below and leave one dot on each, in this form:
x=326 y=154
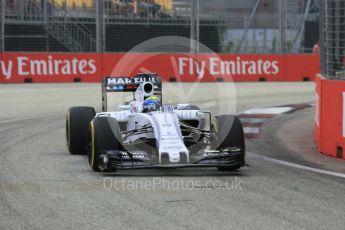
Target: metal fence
x=333 y=39
x=243 y=26
x=281 y=26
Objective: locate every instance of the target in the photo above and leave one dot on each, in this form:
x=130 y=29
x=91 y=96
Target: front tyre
x=230 y=134
x=77 y=126
x=104 y=134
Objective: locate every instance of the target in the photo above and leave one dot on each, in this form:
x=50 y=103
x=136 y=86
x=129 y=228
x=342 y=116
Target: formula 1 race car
x=145 y=133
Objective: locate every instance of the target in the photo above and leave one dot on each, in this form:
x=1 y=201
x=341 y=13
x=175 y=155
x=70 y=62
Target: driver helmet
x=151 y=103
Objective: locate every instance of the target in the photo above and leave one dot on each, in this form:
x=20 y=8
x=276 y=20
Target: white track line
x=38 y=89
x=207 y=104
x=255 y=130
x=293 y=165
x=269 y=110
x=253 y=120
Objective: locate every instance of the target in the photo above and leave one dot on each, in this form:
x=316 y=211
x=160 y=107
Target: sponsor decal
x=129 y=80
x=119 y=81
x=166 y=125
x=172 y=147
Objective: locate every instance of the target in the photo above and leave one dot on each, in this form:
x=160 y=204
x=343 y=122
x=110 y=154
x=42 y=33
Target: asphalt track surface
x=42 y=186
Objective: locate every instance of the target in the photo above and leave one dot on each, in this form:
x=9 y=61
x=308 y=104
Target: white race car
x=163 y=136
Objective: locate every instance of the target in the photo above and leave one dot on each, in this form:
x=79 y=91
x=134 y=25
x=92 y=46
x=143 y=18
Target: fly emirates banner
x=91 y=67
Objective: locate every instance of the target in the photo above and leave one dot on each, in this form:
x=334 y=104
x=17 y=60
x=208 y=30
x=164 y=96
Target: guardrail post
x=100 y=26
x=282 y=25
x=2 y=25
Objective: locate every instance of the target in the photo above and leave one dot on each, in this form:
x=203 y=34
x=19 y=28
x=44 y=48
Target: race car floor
x=42 y=186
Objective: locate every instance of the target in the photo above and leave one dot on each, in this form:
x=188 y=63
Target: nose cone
x=174 y=157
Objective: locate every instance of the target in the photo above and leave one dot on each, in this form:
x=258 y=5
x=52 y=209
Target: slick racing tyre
x=230 y=134
x=104 y=134
x=77 y=126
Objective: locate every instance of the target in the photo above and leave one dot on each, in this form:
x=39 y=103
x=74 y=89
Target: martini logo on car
x=119 y=81
x=129 y=81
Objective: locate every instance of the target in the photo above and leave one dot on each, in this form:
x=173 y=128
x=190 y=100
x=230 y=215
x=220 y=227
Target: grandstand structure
x=243 y=26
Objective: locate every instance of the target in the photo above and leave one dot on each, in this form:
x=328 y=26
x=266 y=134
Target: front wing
x=112 y=160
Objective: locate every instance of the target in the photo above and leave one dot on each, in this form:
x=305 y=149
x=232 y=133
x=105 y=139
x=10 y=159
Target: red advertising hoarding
x=91 y=67
x=330 y=116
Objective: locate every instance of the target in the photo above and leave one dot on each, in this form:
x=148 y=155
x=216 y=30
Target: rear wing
x=128 y=84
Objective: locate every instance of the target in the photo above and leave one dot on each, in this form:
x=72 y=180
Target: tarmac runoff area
x=43 y=187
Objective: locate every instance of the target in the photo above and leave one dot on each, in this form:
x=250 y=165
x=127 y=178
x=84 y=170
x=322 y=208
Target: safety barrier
x=90 y=67
x=330 y=116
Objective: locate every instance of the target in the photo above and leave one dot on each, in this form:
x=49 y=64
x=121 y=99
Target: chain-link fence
x=333 y=38
x=281 y=26
x=228 y=26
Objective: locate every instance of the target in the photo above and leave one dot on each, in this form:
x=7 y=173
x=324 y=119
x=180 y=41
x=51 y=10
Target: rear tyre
x=77 y=126
x=230 y=137
x=104 y=134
